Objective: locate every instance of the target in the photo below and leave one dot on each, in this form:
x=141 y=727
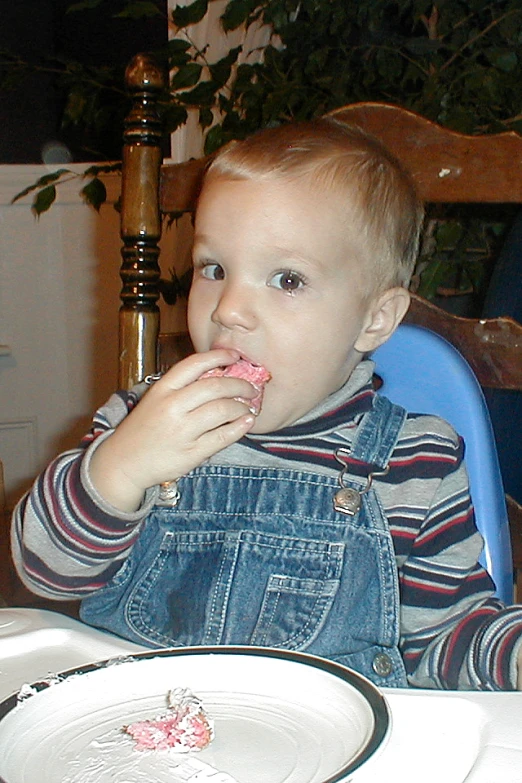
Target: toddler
x=185 y=519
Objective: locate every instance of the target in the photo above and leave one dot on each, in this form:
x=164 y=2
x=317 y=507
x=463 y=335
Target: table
x=437 y=737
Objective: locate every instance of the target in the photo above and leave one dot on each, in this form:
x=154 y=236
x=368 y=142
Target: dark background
x=37 y=30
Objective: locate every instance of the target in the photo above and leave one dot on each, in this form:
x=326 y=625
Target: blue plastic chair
x=425 y=373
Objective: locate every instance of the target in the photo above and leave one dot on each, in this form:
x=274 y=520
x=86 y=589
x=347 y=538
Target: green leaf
x=220 y=70
x=178 y=52
x=43 y=200
x=94 y=193
x=52 y=177
x=173 y=117
x=317 y=60
x=185 y=15
x=273 y=58
x=214 y=139
x=206 y=118
x=85 y=5
x=186 y=76
x=245 y=74
x=448 y=233
x=202 y=95
x=506 y=61
x=236 y=13
x=422 y=46
x=176 y=45
x=93 y=171
x=389 y=64
x=139 y=10
x=77 y=104
x=40 y=183
x=430 y=280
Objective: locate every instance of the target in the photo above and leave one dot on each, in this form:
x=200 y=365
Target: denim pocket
x=169 y=602
x=237 y=587
x=293 y=612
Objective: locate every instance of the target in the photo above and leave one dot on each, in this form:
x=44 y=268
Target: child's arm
x=455 y=633
x=68 y=538
x=65 y=541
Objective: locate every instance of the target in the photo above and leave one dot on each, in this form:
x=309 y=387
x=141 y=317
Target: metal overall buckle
x=347 y=500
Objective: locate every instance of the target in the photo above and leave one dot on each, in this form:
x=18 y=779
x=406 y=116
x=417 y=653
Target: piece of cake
x=184 y=727
x=255 y=374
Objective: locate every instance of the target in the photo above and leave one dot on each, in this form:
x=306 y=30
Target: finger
x=214 y=414
x=190 y=369
x=223 y=436
x=207 y=435
x=191 y=414
x=185 y=401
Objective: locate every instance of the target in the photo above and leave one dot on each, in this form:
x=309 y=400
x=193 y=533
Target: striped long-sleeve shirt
x=68 y=542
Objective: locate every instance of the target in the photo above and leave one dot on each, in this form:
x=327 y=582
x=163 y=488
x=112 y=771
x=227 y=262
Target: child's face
x=276 y=277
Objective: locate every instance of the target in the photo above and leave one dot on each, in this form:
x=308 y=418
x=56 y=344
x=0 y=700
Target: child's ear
x=384 y=314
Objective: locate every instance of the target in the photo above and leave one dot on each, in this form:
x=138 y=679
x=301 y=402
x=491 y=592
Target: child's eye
x=212 y=271
x=287 y=281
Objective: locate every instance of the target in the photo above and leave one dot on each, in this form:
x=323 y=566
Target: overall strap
x=378 y=432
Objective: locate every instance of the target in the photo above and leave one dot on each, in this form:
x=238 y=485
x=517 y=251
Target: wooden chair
x=446 y=166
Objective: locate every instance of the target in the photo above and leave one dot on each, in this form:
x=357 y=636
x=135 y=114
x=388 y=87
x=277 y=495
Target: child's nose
x=235 y=308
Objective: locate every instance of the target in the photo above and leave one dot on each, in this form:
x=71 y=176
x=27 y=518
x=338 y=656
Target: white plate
x=279 y=718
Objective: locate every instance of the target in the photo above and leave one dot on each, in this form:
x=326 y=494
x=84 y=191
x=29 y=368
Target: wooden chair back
x=447 y=167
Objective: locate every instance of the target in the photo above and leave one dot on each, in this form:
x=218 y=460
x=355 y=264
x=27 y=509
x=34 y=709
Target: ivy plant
x=458 y=62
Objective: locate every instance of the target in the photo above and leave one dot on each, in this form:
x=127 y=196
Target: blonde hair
x=333 y=155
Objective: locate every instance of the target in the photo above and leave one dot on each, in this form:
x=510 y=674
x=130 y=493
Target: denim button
x=382 y=665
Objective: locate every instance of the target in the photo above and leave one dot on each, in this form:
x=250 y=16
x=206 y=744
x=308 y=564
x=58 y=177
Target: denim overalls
x=259 y=556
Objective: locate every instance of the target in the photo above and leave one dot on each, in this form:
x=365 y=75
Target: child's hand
x=179 y=423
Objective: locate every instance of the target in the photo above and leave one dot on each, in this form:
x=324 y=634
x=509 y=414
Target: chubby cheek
x=199 y=323
x=306 y=378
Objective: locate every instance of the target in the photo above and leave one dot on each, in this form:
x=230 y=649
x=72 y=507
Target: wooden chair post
x=140 y=224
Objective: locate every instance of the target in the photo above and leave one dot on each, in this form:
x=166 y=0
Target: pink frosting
x=255 y=374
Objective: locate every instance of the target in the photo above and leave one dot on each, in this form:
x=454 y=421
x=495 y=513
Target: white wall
x=59 y=288
x=59 y=301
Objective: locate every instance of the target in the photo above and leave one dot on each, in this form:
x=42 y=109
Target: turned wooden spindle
x=140 y=223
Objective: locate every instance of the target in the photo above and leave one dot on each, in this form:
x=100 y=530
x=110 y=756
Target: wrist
x=110 y=480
